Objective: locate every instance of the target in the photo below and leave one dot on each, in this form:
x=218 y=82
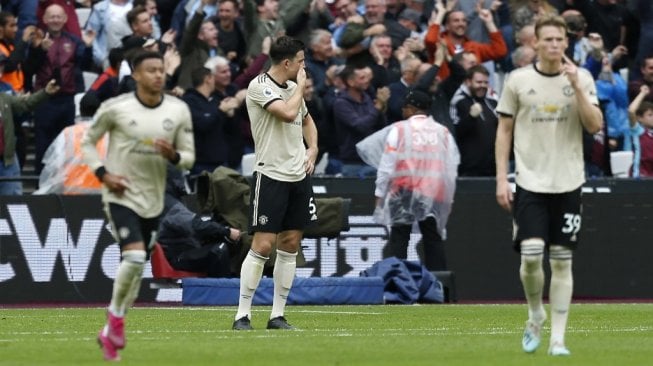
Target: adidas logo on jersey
x=531 y=92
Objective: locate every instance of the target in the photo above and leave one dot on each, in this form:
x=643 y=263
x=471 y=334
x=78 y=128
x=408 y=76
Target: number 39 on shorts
x=571 y=224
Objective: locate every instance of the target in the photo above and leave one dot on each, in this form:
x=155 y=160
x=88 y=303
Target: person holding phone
x=544 y=108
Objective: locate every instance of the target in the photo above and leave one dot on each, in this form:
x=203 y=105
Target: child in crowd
x=640 y=138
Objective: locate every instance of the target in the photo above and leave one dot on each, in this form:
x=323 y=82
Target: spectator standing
x=14 y=50
x=109 y=21
x=24 y=10
x=199 y=42
x=398 y=90
x=11 y=105
x=546 y=115
x=229 y=97
x=106 y=84
x=646 y=70
x=456 y=40
x=150 y=6
x=640 y=137
x=319 y=57
x=72 y=24
x=473 y=112
x=357 y=116
x=59 y=56
x=231 y=36
x=208 y=128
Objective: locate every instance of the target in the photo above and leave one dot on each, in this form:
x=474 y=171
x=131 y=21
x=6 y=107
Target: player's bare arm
x=590 y=114
x=287 y=110
x=310 y=136
x=502 y=146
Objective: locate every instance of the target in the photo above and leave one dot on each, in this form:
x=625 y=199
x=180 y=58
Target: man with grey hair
x=319 y=57
x=522 y=56
x=399 y=89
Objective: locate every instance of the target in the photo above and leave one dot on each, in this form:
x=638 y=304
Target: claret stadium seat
x=163 y=273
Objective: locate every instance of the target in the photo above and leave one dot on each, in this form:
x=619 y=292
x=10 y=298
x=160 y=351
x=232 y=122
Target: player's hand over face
x=301 y=77
x=309 y=160
x=504 y=194
x=570 y=70
x=115 y=183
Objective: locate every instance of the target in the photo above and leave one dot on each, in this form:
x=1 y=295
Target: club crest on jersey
x=568 y=91
x=168 y=125
x=262 y=220
x=123 y=232
x=267 y=92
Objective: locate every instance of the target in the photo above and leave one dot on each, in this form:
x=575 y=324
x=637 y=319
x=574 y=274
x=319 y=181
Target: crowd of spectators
x=362 y=58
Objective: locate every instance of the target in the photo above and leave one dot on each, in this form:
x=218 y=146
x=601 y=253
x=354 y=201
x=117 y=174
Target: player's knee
x=532 y=252
x=134 y=256
x=560 y=259
x=288 y=241
x=262 y=245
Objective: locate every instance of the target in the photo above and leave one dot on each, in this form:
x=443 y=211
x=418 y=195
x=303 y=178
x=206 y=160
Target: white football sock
x=562 y=284
x=532 y=277
x=284 y=274
x=250 y=276
x=129 y=272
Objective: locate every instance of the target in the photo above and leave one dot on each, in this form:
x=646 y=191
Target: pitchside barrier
x=59 y=249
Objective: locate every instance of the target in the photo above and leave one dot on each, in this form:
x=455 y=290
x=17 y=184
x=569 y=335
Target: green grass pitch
x=598 y=334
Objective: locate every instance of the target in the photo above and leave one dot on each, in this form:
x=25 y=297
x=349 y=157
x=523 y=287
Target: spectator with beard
x=475 y=120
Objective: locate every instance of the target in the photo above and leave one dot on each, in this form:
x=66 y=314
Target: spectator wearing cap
x=11 y=105
x=411 y=20
x=131 y=45
x=416 y=181
x=58 y=56
x=109 y=21
x=473 y=112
